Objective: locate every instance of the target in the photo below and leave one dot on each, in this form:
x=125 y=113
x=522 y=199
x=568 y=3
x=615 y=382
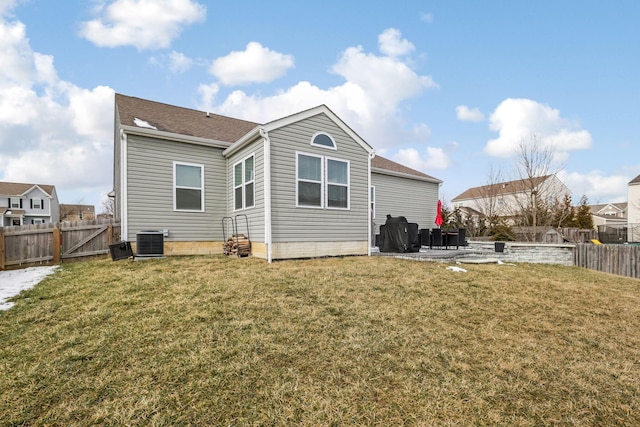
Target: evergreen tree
x=564 y=213
x=583 y=214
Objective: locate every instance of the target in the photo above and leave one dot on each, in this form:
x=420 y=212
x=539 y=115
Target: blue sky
x=446 y=87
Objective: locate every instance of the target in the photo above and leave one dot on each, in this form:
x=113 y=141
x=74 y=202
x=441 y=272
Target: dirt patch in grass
x=364 y=341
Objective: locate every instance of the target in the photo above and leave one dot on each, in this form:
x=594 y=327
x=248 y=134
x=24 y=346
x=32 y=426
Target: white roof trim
x=134 y=130
x=405 y=175
x=276 y=124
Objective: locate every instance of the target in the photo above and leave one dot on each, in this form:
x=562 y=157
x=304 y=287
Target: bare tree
x=108 y=206
x=490 y=203
x=534 y=166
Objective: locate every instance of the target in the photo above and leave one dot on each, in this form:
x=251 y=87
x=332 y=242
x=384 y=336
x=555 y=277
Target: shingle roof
x=635 y=180
x=386 y=164
x=502 y=188
x=18 y=188
x=600 y=206
x=183 y=121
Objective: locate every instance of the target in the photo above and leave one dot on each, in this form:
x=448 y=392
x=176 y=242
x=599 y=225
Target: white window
x=188 y=187
x=373 y=202
x=322 y=182
x=244 y=183
x=38 y=221
x=36 y=204
x=15 y=203
x=323 y=140
x=337 y=184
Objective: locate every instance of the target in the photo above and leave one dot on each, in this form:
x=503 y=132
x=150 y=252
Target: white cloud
x=256 y=64
x=51 y=131
x=519 y=119
x=369 y=102
x=433 y=158
x=144 y=24
x=391 y=44
x=467 y=114
x=598 y=187
x=179 y=62
x=427 y=17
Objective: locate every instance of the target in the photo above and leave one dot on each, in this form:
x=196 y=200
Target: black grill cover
x=398 y=235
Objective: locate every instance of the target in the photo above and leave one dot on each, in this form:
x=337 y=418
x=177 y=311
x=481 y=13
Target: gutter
x=255 y=132
x=154 y=133
x=267 y=192
x=406 y=175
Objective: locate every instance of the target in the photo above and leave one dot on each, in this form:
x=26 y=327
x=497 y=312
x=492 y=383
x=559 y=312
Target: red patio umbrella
x=439 y=221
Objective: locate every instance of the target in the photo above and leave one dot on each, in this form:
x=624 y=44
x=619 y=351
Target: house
x=609 y=214
x=77 y=212
x=23 y=204
x=305 y=185
x=506 y=199
x=633 y=210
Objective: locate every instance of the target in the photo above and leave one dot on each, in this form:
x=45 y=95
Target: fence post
x=57 y=244
x=2 y=250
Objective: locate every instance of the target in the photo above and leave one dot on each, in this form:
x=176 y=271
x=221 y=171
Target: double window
x=322 y=182
x=188 y=187
x=244 y=183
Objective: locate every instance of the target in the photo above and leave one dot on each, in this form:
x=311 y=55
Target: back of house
x=300 y=186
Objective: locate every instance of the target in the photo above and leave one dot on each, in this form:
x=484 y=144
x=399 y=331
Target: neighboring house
x=23 y=204
x=77 y=212
x=307 y=183
x=505 y=199
x=609 y=214
x=633 y=210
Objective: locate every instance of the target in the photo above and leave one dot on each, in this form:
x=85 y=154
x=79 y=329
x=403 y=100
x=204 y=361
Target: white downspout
x=124 y=220
x=267 y=193
x=370 y=216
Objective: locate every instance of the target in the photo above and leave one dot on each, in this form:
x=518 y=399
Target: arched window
x=324 y=140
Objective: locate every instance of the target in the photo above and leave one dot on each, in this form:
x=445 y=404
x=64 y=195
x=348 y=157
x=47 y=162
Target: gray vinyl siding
x=150 y=189
x=301 y=224
x=255 y=215
x=397 y=196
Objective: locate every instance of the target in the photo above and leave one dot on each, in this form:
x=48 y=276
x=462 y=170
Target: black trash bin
x=499 y=246
x=121 y=250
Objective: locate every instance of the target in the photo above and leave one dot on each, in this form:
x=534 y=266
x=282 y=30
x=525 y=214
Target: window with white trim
x=188 y=187
x=322 y=182
x=36 y=204
x=324 y=140
x=16 y=203
x=337 y=184
x=244 y=183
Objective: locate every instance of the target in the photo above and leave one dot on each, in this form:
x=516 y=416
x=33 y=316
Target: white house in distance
x=307 y=185
x=609 y=214
x=24 y=204
x=633 y=210
x=504 y=199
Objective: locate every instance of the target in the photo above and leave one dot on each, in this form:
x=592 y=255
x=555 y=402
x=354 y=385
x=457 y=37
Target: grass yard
x=217 y=341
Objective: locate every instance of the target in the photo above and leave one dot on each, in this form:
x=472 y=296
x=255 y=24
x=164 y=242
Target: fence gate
x=82 y=239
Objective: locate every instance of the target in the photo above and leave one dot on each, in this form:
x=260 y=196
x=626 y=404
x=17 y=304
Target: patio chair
x=436 y=238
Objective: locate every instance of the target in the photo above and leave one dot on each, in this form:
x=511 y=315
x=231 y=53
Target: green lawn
x=351 y=341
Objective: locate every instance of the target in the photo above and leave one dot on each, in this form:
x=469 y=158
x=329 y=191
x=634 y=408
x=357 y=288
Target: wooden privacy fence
x=615 y=259
x=53 y=243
